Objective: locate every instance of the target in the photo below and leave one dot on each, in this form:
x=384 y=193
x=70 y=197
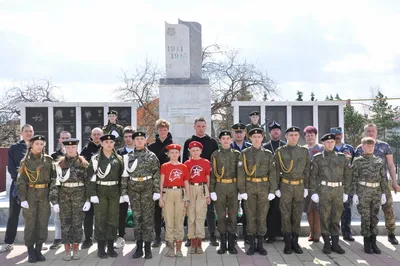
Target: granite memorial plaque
x=64 y=120
x=124 y=115
x=91 y=117
x=38 y=117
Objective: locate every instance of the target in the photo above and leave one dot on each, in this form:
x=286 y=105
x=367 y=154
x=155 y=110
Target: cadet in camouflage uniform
x=33 y=190
x=329 y=185
x=293 y=166
x=368 y=187
x=257 y=183
x=114 y=129
x=223 y=188
x=105 y=171
x=141 y=181
x=69 y=195
x=255 y=123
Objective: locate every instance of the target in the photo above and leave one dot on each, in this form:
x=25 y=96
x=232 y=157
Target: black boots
x=260 y=249
x=231 y=244
x=139 y=250
x=110 y=249
x=367 y=246
x=38 y=252
x=157 y=242
x=213 y=240
x=147 y=250
x=252 y=247
x=31 y=254
x=101 y=249
x=287 y=237
x=222 y=244
x=374 y=247
x=327 y=245
x=335 y=245
x=295 y=244
x=392 y=239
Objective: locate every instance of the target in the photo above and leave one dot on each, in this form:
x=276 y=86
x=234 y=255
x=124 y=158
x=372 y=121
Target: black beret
x=273 y=125
x=71 y=141
x=256 y=131
x=254 y=113
x=292 y=129
x=238 y=126
x=224 y=133
x=107 y=137
x=328 y=136
x=112 y=112
x=138 y=134
x=37 y=137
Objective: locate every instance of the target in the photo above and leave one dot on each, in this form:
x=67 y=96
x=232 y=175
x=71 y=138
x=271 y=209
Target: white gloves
x=278 y=193
x=305 y=192
x=125 y=198
x=213 y=196
x=243 y=196
x=94 y=199
x=345 y=197
x=25 y=204
x=271 y=196
x=315 y=197
x=239 y=198
x=56 y=208
x=383 y=199
x=356 y=201
x=115 y=133
x=156 y=196
x=86 y=206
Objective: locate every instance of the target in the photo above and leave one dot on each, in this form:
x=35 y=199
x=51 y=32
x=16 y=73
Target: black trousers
x=123 y=212
x=211 y=218
x=157 y=219
x=13 y=216
x=88 y=222
x=274 y=219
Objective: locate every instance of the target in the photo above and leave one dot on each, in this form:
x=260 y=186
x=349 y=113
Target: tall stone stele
x=184 y=93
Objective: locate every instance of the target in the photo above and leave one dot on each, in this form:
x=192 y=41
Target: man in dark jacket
x=64 y=135
x=209 y=146
x=163 y=139
x=88 y=151
x=15 y=155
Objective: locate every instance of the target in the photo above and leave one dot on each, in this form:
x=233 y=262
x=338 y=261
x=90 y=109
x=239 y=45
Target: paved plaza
x=312 y=256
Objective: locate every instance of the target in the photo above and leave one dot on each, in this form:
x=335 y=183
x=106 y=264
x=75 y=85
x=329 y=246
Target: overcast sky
x=342 y=47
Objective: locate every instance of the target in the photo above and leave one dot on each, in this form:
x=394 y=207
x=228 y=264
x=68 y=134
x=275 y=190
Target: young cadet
x=114 y=128
x=223 y=188
x=199 y=196
x=174 y=187
x=33 y=183
x=368 y=187
x=257 y=183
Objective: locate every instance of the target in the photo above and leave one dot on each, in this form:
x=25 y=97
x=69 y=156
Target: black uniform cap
x=71 y=141
x=138 y=134
x=328 y=136
x=225 y=133
x=256 y=131
x=238 y=126
x=273 y=125
x=112 y=112
x=107 y=137
x=292 y=129
x=254 y=113
x=37 y=137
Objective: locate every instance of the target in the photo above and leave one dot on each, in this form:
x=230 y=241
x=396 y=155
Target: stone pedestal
x=181 y=104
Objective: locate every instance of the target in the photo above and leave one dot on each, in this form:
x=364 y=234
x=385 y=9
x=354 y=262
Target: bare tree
x=35 y=91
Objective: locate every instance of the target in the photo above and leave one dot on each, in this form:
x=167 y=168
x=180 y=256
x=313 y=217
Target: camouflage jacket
x=147 y=165
x=256 y=163
x=223 y=165
x=78 y=173
x=293 y=163
x=31 y=172
x=252 y=126
x=109 y=128
x=117 y=168
x=368 y=168
x=330 y=166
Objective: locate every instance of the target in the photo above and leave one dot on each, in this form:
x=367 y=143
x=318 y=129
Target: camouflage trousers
x=71 y=201
x=142 y=204
x=36 y=218
x=330 y=209
x=387 y=208
x=291 y=206
x=257 y=206
x=370 y=202
x=106 y=212
x=227 y=203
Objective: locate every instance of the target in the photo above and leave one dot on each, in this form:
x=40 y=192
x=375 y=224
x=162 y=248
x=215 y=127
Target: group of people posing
x=271 y=179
